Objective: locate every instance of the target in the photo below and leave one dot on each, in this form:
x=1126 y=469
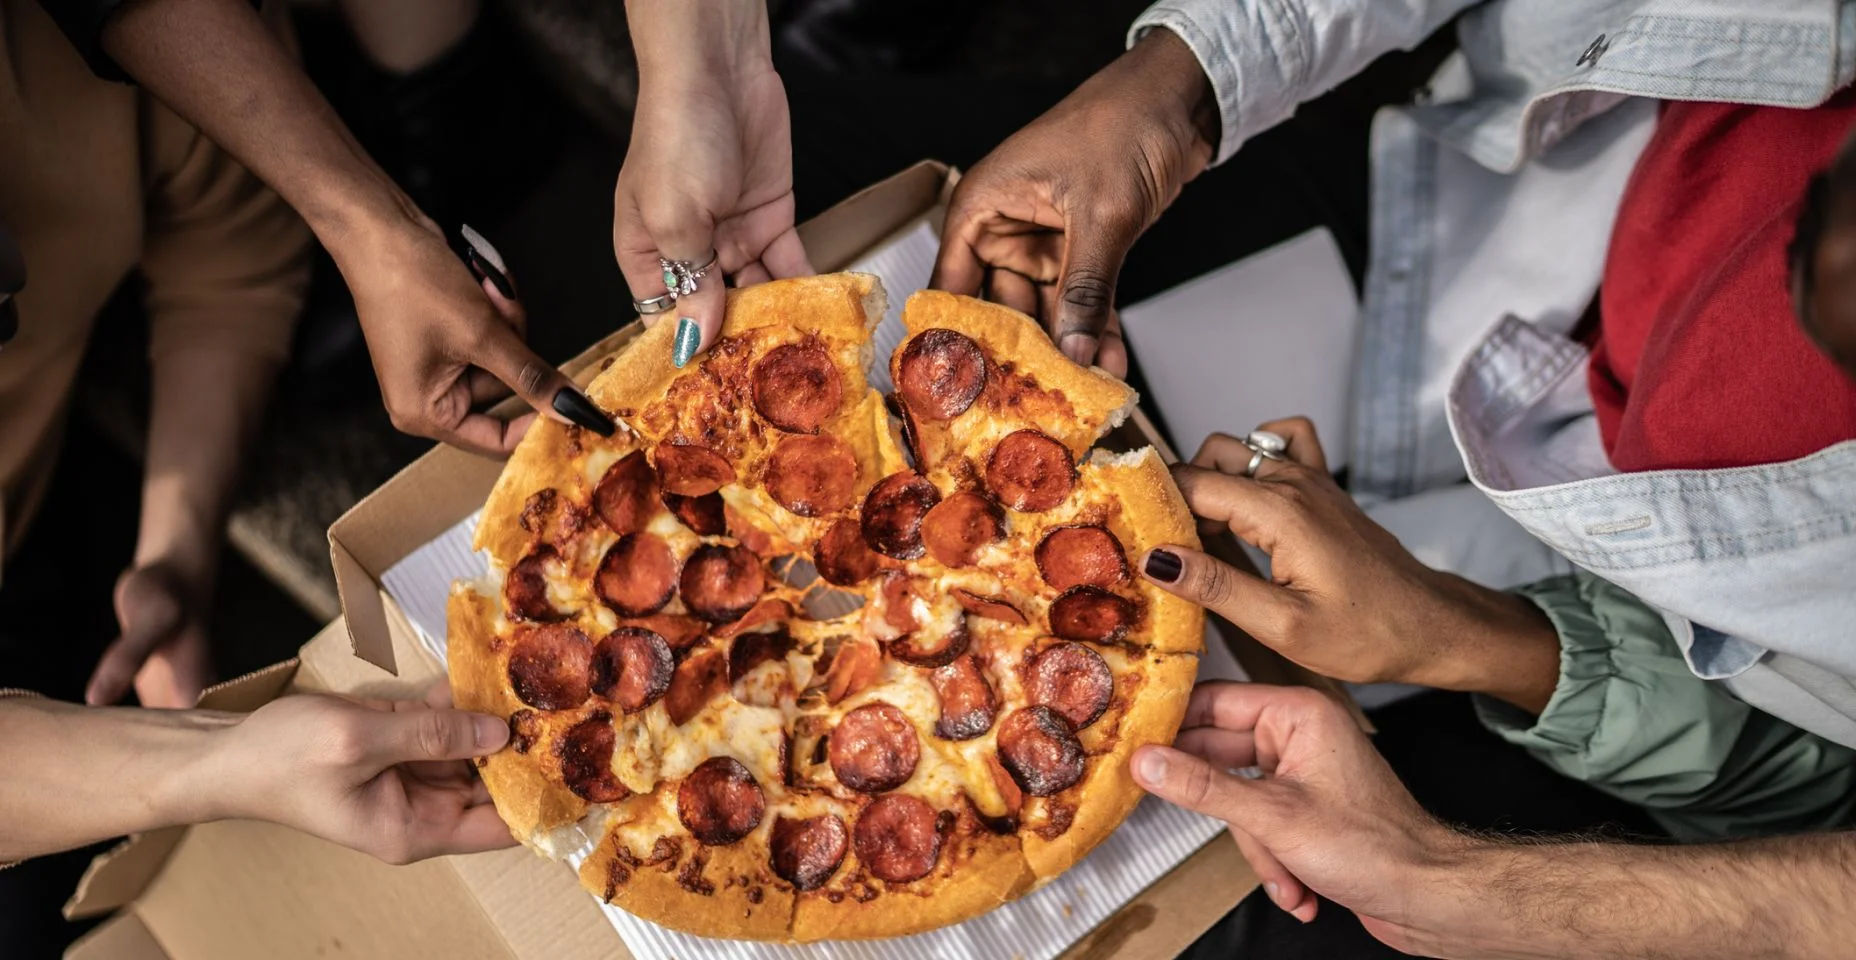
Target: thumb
x=417 y=735
x=506 y=357
x=1093 y=252
x=149 y=616
x=1187 y=781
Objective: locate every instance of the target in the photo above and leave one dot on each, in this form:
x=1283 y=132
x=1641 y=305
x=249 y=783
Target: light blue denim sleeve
x=1266 y=57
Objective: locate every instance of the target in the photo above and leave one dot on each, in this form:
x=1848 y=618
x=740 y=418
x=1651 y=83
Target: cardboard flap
x=122 y=938
x=845 y=232
x=120 y=874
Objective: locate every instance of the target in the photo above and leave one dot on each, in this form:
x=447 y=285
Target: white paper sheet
x=1156 y=838
x=1269 y=336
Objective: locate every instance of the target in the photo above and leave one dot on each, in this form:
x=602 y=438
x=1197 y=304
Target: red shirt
x=1700 y=362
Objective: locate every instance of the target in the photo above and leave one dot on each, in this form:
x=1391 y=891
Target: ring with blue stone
x=680 y=276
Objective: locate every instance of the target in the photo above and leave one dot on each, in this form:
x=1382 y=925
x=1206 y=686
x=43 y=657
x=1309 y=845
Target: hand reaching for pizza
x=1327 y=815
x=388 y=778
x=710 y=166
x=1345 y=598
x=1043 y=223
x=162 y=650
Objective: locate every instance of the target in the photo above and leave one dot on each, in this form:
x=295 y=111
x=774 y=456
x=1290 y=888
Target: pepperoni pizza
x=789 y=682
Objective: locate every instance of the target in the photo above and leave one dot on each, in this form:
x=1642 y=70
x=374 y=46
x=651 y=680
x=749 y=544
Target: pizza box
x=239 y=889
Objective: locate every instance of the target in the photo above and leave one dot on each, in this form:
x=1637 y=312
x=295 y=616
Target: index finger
x=1238 y=706
x=1252 y=512
x=487 y=436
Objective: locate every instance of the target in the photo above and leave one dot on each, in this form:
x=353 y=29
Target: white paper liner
x=1156 y=838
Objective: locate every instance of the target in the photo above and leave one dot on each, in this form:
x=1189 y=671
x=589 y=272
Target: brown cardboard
x=241 y=890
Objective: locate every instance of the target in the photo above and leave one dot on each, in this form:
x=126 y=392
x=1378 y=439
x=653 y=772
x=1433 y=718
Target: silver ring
x=651 y=306
x=1264 y=445
x=680 y=276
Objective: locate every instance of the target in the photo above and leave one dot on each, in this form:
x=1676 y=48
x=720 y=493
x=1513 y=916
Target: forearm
x=216 y=64
x=208 y=404
x=676 y=38
x=1781 y=897
x=76 y=775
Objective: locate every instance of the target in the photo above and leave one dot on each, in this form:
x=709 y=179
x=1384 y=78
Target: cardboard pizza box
x=241 y=890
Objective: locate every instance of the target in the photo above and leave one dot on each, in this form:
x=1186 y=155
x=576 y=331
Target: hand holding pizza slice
x=745 y=769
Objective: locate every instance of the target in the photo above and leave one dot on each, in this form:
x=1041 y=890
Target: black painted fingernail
x=574 y=405
x=486 y=262
x=1163 y=566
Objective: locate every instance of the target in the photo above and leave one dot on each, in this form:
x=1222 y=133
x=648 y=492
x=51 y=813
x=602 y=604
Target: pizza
x=796 y=661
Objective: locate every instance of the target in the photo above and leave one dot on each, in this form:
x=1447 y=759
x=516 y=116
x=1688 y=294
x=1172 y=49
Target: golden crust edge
x=1152 y=506
x=654 y=893
x=817 y=918
x=531 y=804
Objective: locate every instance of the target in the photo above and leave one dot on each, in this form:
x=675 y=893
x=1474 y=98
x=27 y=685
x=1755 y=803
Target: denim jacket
x=1492 y=204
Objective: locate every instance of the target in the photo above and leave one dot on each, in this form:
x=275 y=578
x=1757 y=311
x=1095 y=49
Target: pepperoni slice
x=623 y=497
x=700 y=678
x=911 y=434
x=750 y=650
x=525 y=590
x=874 y=748
x=632 y=668
x=956 y=528
x=1069 y=556
x=1008 y=788
x=797 y=386
x=1072 y=680
x=992 y=608
x=706 y=515
x=842 y=557
x=941 y=373
x=637 y=575
x=549 y=667
x=1092 y=614
x=967 y=701
x=893 y=513
x=857 y=665
x=766 y=611
x=932 y=651
x=1030 y=472
x=1039 y=750
x=720 y=583
x=679 y=631
x=719 y=802
x=691 y=470
x=805 y=853
x=898 y=838
x=812 y=476
x=585 y=752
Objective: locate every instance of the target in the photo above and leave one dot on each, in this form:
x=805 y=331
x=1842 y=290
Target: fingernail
x=1163 y=566
x=490 y=732
x=689 y=337
x=574 y=405
x=1152 y=767
x=1274 y=890
x=486 y=262
x=1080 y=347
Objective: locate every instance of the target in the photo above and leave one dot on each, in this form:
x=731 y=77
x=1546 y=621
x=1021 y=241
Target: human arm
x=1329 y=816
x=710 y=166
x=1044 y=222
x=386 y=778
x=438 y=340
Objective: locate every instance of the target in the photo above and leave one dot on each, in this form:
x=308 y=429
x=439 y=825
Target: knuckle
x=347 y=741
x=1088 y=290
x=1212 y=584
x=433 y=734
x=531 y=377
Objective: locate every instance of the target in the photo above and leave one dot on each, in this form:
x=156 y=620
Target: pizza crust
x=978 y=871
x=533 y=805
x=661 y=892
x=1153 y=514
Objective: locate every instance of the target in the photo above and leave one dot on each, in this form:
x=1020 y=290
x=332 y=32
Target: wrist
x=1183 y=90
x=1505 y=647
x=677 y=42
x=190 y=789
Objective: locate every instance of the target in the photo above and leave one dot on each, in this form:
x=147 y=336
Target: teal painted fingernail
x=689 y=337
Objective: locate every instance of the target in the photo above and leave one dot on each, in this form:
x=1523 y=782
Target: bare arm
x=432 y=330
x=1328 y=816
x=383 y=778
